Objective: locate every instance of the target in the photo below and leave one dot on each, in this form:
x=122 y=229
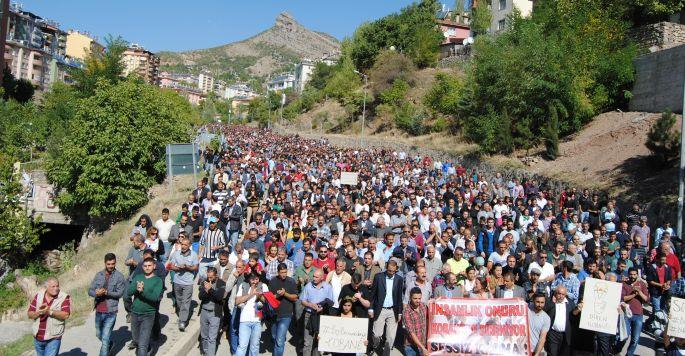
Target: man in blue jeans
x=285 y=290
x=106 y=288
x=634 y=292
x=250 y=299
x=49 y=309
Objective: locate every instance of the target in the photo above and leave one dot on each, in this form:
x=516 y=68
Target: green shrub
x=663 y=140
x=439 y=125
x=395 y=95
x=409 y=119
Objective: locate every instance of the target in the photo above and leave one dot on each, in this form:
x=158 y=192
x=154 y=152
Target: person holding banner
x=539 y=324
x=415 y=325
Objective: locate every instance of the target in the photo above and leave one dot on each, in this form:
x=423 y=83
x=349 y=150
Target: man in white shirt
x=164 y=226
x=509 y=230
x=498 y=257
x=546 y=269
x=559 y=308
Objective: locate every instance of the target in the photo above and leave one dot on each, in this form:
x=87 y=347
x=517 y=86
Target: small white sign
x=676 y=318
x=349 y=178
x=344 y=335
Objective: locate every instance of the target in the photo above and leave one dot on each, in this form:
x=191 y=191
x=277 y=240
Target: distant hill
x=271 y=51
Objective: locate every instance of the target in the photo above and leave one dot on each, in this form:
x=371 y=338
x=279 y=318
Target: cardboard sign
x=676 y=318
x=349 y=178
x=478 y=326
x=601 y=300
x=345 y=335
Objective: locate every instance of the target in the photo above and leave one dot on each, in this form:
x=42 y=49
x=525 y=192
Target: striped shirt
x=211 y=238
x=43 y=324
x=221 y=196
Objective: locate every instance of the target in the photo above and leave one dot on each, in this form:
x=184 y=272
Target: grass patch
x=17 y=347
x=11 y=298
x=37 y=268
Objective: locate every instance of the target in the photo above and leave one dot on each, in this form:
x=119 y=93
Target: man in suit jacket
x=509 y=289
x=233 y=213
x=560 y=308
x=387 y=291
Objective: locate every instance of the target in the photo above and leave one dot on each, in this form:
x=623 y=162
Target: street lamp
x=366 y=77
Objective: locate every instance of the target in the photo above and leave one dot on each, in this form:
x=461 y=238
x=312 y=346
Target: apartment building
x=138 y=60
x=80 y=44
x=502 y=8
x=281 y=82
x=205 y=82
x=35 y=48
x=303 y=73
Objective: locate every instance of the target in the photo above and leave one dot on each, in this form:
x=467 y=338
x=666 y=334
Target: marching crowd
x=274 y=237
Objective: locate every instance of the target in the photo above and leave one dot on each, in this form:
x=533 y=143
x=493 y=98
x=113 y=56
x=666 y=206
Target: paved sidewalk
x=81 y=340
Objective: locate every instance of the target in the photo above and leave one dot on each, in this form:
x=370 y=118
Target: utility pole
x=4 y=16
x=361 y=141
x=681 y=170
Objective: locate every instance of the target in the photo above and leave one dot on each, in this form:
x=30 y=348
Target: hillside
x=271 y=51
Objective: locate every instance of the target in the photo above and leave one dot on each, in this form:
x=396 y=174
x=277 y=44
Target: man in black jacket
x=233 y=217
x=560 y=308
x=211 y=295
x=387 y=291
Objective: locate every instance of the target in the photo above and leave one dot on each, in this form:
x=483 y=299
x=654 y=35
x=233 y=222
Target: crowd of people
x=272 y=239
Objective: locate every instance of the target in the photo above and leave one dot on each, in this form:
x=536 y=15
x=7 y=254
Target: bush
x=389 y=67
x=439 y=125
x=394 y=95
x=409 y=119
x=444 y=96
x=663 y=140
x=10 y=298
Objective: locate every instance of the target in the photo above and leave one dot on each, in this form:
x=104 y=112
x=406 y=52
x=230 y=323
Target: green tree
x=20 y=90
x=551 y=130
x=115 y=148
x=663 y=140
x=19 y=235
x=505 y=138
x=320 y=75
x=574 y=53
x=482 y=18
x=411 y=31
x=107 y=66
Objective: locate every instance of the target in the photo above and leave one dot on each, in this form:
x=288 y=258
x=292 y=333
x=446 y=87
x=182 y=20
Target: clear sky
x=182 y=25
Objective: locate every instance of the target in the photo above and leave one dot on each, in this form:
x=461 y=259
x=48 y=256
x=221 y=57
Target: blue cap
x=213 y=219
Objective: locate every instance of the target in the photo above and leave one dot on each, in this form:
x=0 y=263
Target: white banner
x=676 y=318
x=349 y=178
x=345 y=335
x=601 y=300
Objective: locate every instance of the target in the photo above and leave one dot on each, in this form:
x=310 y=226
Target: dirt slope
x=610 y=153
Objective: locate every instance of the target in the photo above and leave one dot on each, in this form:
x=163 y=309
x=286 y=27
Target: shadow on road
x=74 y=352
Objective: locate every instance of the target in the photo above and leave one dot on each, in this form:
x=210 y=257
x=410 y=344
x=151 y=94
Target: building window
x=500 y=25
x=502 y=4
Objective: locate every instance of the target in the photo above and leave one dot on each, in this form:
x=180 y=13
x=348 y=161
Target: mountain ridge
x=268 y=52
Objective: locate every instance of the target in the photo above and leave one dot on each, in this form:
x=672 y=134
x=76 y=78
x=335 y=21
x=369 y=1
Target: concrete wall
x=659 y=81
